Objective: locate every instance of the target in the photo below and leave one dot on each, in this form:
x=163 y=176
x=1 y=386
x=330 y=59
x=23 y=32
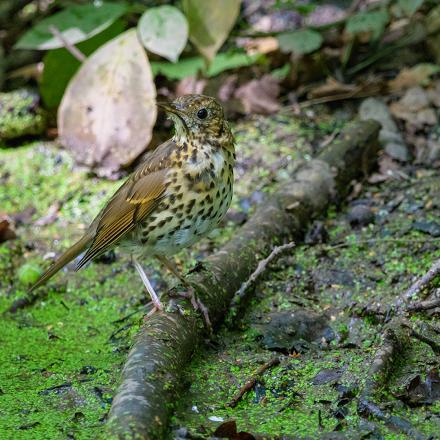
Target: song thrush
x=175 y=197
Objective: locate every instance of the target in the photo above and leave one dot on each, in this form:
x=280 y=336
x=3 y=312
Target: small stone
x=433 y=151
x=327 y=375
x=389 y=136
x=373 y=108
x=360 y=215
x=181 y=433
x=432 y=228
x=294 y=330
x=215 y=419
x=317 y=234
x=397 y=151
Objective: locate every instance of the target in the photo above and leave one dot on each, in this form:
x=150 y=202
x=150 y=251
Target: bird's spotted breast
x=197 y=198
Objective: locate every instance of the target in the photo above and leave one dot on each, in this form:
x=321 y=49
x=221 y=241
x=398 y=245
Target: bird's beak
x=169 y=107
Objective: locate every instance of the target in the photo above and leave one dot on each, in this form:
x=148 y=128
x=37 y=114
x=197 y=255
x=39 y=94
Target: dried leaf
x=324 y=15
x=421 y=392
x=414 y=76
x=415 y=108
x=260 y=45
x=227 y=429
x=260 y=95
x=210 y=23
x=164 y=31
x=6 y=233
x=108 y=112
x=190 y=85
x=330 y=88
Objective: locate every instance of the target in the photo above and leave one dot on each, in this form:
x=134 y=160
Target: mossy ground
x=61 y=358
x=355 y=268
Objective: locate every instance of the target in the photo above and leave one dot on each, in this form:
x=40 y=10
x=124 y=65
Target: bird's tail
x=68 y=256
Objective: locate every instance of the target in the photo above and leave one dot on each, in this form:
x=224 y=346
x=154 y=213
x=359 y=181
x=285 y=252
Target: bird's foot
x=197 y=305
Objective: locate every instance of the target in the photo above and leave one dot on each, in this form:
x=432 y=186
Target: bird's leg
x=156 y=301
x=189 y=294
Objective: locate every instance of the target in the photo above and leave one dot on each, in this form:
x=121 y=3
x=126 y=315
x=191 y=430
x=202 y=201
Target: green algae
x=20 y=115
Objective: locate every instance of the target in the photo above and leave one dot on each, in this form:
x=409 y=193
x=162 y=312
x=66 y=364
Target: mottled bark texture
x=166 y=342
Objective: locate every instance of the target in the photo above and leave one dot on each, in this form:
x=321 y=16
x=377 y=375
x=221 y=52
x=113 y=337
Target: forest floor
x=61 y=358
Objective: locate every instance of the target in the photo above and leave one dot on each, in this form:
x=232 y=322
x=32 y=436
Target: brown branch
x=166 y=342
x=74 y=51
x=394 y=341
x=250 y=383
x=420 y=306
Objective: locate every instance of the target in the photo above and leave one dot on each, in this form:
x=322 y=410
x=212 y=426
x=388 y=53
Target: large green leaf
x=191 y=66
x=60 y=65
x=76 y=23
x=108 y=111
x=210 y=23
x=164 y=31
x=300 y=42
x=368 y=22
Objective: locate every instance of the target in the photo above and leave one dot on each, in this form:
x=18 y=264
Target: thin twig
x=329 y=138
x=74 y=51
x=260 y=269
x=420 y=284
x=252 y=381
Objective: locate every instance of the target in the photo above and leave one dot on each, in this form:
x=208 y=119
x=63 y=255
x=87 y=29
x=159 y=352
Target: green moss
x=20 y=115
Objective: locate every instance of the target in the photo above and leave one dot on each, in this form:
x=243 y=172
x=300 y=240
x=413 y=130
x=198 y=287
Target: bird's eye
x=202 y=113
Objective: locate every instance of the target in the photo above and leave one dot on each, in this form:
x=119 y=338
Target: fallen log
x=164 y=345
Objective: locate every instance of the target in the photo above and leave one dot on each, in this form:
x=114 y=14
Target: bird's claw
x=197 y=305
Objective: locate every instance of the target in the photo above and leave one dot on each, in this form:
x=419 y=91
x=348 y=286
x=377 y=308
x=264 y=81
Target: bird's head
x=196 y=116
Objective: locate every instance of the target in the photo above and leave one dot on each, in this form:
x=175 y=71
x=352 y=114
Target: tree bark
x=166 y=342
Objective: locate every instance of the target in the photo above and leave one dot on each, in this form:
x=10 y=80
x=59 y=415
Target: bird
x=176 y=196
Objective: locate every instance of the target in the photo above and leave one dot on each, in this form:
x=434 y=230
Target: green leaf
x=300 y=42
x=191 y=66
x=181 y=69
x=368 y=22
x=210 y=23
x=410 y=6
x=164 y=31
x=76 y=23
x=282 y=72
x=60 y=65
x=228 y=61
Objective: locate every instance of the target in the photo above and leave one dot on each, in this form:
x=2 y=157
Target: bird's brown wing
x=133 y=201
